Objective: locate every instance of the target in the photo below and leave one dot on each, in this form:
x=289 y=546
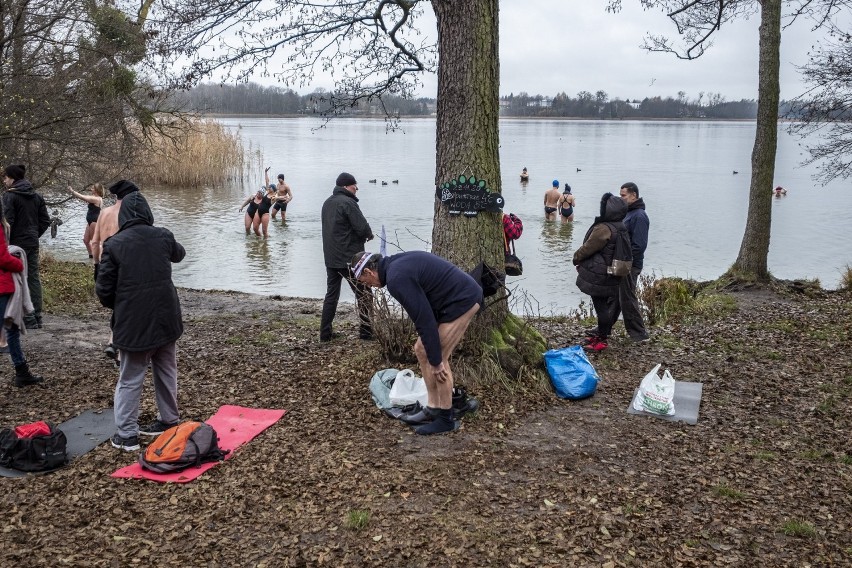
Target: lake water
x=684 y=170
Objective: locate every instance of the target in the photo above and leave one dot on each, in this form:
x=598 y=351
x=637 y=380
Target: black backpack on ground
x=39 y=453
x=622 y=258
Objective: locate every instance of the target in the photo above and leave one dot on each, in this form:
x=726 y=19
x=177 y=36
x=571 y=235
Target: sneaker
x=130 y=444
x=110 y=351
x=593 y=332
x=155 y=428
x=591 y=339
x=333 y=336
x=596 y=346
x=640 y=339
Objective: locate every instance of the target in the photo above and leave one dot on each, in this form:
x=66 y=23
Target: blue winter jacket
x=637 y=224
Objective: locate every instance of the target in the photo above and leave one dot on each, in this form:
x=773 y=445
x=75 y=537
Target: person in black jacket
x=135 y=280
x=441 y=299
x=344 y=232
x=28 y=219
x=592 y=260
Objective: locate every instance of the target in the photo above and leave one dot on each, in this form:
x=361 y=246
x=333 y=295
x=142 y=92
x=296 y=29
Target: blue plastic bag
x=571 y=373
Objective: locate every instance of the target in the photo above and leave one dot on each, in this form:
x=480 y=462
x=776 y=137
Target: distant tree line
x=253 y=98
x=599 y=105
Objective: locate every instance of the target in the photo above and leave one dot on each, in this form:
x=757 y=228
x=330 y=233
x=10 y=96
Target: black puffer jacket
x=344 y=228
x=26 y=213
x=595 y=255
x=135 y=279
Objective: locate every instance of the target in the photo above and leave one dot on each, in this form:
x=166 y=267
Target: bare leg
x=87 y=237
x=255 y=223
x=265 y=223
x=248 y=221
x=451 y=333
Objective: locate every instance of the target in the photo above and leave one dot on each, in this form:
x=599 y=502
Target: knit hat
x=16 y=171
x=345 y=179
x=123 y=188
x=556 y=183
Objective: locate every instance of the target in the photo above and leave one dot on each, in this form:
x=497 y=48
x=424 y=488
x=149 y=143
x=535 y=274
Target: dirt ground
x=764 y=478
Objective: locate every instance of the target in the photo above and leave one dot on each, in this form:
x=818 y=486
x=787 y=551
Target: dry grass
x=204 y=153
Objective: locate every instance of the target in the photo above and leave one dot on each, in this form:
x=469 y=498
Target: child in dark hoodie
x=28 y=219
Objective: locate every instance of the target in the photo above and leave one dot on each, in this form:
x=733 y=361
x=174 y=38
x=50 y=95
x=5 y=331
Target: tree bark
x=467 y=137
x=751 y=263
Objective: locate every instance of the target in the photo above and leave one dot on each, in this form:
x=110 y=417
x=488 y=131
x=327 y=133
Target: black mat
x=84 y=433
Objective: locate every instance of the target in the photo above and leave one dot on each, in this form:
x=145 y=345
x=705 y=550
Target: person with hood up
x=592 y=260
x=28 y=219
x=135 y=281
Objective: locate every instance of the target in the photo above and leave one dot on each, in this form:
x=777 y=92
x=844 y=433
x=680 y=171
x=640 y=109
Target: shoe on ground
x=130 y=444
x=442 y=424
x=334 y=335
x=4 y=349
x=422 y=416
x=155 y=428
x=366 y=336
x=596 y=346
x=110 y=351
x=469 y=405
x=31 y=323
x=591 y=339
x=640 y=339
x=592 y=332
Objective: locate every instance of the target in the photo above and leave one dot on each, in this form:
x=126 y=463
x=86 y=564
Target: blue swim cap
x=556 y=183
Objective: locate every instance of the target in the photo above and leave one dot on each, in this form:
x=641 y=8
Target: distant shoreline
x=432 y=117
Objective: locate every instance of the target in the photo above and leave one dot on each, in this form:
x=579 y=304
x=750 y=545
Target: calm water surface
x=697 y=206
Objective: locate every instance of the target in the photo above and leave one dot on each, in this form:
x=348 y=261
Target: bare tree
x=696 y=22
x=825 y=110
x=373 y=49
x=73 y=105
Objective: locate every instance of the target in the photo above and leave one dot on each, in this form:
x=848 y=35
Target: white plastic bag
x=407 y=389
x=656 y=395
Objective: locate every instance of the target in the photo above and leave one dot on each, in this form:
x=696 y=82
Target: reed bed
x=202 y=152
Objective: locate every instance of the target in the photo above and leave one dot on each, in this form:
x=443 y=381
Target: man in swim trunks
x=551 y=201
x=284 y=196
x=566 y=205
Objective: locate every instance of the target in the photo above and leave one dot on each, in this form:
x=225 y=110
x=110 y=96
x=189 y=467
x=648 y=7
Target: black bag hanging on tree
x=514 y=266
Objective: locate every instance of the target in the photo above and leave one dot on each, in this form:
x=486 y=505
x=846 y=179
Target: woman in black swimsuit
x=95 y=201
x=566 y=205
x=262 y=217
x=253 y=202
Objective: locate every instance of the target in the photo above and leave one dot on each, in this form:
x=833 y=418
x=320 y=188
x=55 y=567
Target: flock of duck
x=383 y=181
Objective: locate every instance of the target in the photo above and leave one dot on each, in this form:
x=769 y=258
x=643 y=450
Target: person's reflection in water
x=557 y=240
x=259 y=260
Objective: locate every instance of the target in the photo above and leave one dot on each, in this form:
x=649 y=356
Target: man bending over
x=441 y=299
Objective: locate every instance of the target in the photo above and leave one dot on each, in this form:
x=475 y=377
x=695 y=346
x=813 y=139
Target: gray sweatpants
x=128 y=391
x=627 y=304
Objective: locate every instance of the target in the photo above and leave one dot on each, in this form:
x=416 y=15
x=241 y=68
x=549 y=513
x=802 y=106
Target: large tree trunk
x=467 y=136
x=751 y=263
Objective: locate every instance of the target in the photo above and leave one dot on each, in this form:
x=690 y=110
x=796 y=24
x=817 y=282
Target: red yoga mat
x=235 y=426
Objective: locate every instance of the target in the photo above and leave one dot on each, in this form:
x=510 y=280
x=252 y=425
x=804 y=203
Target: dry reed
x=202 y=152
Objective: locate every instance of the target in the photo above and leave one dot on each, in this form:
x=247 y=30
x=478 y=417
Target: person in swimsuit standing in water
x=95 y=201
x=551 y=200
x=252 y=201
x=566 y=205
x=283 y=197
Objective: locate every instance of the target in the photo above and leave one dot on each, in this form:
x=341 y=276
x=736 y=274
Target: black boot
x=24 y=378
x=443 y=423
x=421 y=415
x=462 y=404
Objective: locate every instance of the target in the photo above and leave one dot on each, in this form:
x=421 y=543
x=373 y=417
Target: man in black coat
x=344 y=232
x=27 y=216
x=135 y=280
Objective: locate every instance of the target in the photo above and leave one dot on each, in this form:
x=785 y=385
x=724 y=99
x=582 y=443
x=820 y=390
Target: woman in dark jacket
x=592 y=260
x=135 y=280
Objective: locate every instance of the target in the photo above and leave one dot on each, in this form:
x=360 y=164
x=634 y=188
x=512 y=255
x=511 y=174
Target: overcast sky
x=549 y=46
